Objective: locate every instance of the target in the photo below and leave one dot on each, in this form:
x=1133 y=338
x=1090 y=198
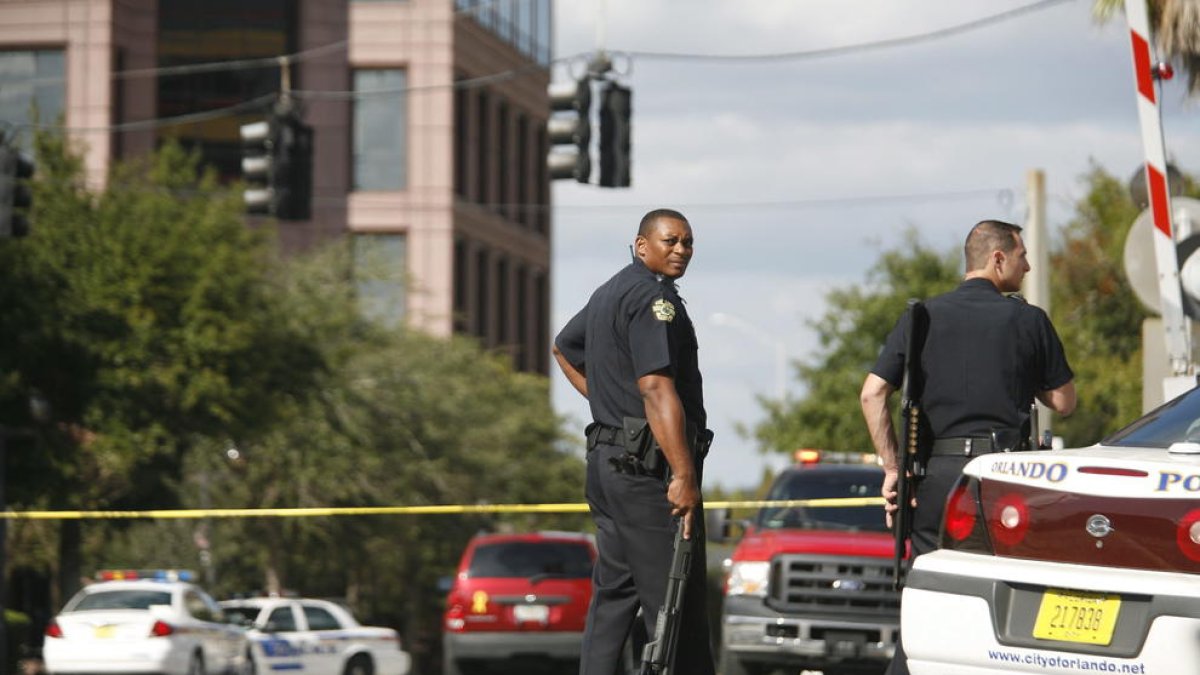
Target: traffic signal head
x=570 y=130
x=616 y=133
x=16 y=197
x=277 y=167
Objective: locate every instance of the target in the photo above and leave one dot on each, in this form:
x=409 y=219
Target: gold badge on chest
x=663 y=310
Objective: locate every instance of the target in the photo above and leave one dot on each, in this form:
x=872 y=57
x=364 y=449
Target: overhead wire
x=825 y=52
x=468 y=83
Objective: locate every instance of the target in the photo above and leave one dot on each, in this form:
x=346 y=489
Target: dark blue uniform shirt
x=634 y=324
x=985 y=357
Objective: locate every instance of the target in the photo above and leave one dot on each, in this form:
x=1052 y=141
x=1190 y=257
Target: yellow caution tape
x=184 y=514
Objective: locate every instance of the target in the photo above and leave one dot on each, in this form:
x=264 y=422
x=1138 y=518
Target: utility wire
x=516 y=72
x=826 y=52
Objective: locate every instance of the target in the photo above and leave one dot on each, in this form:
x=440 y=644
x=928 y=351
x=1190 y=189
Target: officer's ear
x=639 y=245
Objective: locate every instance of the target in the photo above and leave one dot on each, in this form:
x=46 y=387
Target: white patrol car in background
x=144 y=622
x=316 y=637
x=1071 y=561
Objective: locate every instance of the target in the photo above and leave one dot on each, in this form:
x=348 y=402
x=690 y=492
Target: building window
x=483 y=299
x=380 y=124
x=462 y=145
x=29 y=80
x=524 y=212
x=483 y=159
x=503 y=159
x=380 y=268
x=191 y=33
x=460 y=286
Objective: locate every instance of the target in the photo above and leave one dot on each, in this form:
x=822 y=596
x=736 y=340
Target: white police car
x=144 y=622
x=316 y=637
x=1070 y=561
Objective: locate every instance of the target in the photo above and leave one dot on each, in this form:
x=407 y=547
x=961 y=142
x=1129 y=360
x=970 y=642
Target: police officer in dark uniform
x=986 y=356
x=632 y=352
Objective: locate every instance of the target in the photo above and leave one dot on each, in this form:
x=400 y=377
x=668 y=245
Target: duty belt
x=964 y=446
x=602 y=434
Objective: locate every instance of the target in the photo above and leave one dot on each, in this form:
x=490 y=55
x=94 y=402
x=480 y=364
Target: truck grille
x=832 y=585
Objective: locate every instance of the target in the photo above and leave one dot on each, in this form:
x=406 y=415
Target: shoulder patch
x=663 y=310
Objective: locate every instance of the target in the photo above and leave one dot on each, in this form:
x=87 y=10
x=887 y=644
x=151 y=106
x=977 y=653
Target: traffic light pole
x=1146 y=73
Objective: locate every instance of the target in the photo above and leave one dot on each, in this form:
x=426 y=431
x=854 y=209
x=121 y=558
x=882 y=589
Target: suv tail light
x=161 y=629
x=53 y=629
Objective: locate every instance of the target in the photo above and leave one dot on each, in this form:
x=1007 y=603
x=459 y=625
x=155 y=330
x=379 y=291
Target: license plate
x=538 y=613
x=1076 y=616
x=105 y=632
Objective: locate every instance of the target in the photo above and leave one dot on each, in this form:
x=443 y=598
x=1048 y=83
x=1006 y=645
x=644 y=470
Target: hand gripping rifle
x=909 y=460
x=659 y=654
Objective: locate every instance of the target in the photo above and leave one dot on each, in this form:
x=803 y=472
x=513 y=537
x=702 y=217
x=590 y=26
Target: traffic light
x=277 y=167
x=15 y=195
x=616 y=109
x=572 y=127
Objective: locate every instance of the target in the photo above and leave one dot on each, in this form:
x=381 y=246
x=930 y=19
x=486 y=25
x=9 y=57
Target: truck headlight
x=748 y=578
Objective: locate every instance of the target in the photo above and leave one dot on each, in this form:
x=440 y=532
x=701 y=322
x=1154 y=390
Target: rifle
x=658 y=655
x=911 y=436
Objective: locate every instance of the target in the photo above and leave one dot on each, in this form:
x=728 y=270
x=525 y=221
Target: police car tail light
x=961 y=526
x=1187 y=536
x=1008 y=519
x=53 y=630
x=161 y=629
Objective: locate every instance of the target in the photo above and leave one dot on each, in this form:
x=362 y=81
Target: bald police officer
x=632 y=352
x=986 y=357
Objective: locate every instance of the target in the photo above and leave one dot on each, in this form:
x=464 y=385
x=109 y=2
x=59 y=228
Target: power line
x=826 y=52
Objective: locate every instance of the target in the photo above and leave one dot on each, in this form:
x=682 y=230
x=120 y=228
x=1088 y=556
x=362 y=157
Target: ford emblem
x=1099 y=526
x=848 y=585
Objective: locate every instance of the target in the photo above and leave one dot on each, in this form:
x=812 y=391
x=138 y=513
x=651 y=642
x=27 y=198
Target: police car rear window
x=531 y=559
x=1175 y=421
x=128 y=599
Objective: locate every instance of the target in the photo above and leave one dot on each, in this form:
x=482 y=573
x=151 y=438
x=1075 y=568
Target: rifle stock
x=910 y=438
x=659 y=654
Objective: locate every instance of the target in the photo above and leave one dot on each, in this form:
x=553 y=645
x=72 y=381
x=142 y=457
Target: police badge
x=663 y=310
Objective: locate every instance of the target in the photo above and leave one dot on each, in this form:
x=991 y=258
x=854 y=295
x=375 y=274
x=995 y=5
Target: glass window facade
x=31 y=80
x=220 y=30
x=380 y=271
x=524 y=24
x=380 y=123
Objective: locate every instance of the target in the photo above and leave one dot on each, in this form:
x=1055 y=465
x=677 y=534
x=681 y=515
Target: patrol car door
x=284 y=646
x=329 y=640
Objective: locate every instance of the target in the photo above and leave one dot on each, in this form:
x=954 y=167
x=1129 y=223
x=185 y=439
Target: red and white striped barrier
x=1145 y=71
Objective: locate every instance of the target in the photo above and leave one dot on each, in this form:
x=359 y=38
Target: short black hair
x=988 y=236
x=648 y=220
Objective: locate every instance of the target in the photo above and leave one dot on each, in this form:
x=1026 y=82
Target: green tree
x=139 y=313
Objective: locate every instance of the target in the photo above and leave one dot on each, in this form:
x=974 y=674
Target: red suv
x=518 y=601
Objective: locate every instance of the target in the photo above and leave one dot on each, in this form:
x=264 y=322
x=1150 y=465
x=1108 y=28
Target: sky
x=797 y=173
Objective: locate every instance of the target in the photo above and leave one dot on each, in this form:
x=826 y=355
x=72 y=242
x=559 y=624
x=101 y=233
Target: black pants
x=634 y=536
x=932 y=491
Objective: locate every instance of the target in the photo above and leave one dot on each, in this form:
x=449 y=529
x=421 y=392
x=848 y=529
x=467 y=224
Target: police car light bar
x=146 y=575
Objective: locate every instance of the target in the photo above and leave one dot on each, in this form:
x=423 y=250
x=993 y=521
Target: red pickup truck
x=810 y=587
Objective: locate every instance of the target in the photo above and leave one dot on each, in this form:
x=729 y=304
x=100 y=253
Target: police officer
x=986 y=356
x=632 y=352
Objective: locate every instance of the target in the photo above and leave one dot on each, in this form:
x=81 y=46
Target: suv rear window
x=122 y=600
x=529 y=559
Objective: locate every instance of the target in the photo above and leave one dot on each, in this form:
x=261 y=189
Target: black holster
x=643 y=455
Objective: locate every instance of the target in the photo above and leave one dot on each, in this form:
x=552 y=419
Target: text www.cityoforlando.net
x=1068 y=663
